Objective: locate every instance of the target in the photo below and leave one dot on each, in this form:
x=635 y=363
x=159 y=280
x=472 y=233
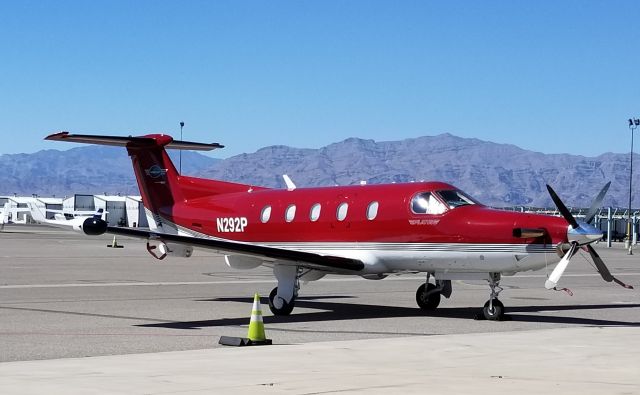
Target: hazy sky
x=551 y=76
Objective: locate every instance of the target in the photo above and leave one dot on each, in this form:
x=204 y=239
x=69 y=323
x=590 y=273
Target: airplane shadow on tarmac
x=331 y=311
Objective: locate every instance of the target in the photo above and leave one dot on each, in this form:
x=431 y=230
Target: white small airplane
x=39 y=215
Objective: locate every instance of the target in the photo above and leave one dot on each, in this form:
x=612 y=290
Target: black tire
x=494 y=314
x=286 y=309
x=429 y=302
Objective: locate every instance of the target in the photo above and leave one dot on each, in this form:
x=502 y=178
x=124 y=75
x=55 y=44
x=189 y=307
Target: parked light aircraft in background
x=365 y=230
x=60 y=220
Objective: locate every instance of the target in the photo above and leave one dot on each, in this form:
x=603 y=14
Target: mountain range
x=495 y=174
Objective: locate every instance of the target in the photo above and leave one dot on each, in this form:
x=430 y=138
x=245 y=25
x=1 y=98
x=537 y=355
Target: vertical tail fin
x=37 y=213
x=157 y=177
x=155 y=173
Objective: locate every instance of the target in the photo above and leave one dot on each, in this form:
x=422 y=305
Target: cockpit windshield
x=455 y=198
x=440 y=201
x=427 y=203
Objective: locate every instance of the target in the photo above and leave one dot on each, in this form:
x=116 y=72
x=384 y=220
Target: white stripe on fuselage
x=421 y=257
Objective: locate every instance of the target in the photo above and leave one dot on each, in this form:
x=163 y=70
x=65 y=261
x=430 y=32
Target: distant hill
x=495 y=174
x=90 y=170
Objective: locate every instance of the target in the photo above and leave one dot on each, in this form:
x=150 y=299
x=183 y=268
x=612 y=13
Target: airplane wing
x=305 y=259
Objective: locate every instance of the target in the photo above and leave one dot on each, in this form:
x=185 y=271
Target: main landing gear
x=428 y=295
x=494 y=309
x=278 y=305
x=283 y=297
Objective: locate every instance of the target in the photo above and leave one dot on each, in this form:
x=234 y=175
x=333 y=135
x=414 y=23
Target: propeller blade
x=597 y=203
x=603 y=270
x=553 y=279
x=562 y=208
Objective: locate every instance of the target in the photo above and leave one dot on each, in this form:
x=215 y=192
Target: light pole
x=181 y=126
x=633 y=124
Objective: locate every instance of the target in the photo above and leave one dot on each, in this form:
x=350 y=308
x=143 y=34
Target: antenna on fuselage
x=287 y=180
x=180 y=165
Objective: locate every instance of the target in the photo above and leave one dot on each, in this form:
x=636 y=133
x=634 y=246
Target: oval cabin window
x=265 y=214
x=372 y=211
x=290 y=214
x=314 y=214
x=341 y=213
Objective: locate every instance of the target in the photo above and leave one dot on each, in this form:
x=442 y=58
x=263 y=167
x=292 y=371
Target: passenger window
x=314 y=214
x=372 y=211
x=426 y=203
x=265 y=214
x=290 y=214
x=341 y=213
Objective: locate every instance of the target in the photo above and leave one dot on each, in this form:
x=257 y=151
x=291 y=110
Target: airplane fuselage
x=377 y=225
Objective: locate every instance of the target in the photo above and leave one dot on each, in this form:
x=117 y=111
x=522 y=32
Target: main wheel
x=430 y=301
x=286 y=308
x=494 y=313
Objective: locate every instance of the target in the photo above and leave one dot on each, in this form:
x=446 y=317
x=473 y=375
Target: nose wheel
x=493 y=309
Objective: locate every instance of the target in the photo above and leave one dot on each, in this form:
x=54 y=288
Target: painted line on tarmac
x=133 y=284
x=270 y=281
x=571 y=275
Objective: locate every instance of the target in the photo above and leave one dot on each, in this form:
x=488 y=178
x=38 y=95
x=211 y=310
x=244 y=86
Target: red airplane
x=365 y=230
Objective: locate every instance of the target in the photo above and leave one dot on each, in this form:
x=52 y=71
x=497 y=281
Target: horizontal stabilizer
x=140 y=141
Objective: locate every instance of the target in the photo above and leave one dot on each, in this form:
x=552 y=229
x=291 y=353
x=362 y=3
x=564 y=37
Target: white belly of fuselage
x=386 y=258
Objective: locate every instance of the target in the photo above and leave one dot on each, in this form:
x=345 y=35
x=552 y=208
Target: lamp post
x=181 y=126
x=633 y=124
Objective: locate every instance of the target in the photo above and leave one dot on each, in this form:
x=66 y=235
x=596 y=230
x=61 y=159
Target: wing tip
x=57 y=136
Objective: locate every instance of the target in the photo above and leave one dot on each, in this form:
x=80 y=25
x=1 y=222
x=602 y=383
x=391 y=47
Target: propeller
x=553 y=279
x=562 y=208
x=603 y=270
x=597 y=203
x=581 y=234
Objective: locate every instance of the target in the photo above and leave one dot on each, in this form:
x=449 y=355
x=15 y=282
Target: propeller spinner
x=581 y=234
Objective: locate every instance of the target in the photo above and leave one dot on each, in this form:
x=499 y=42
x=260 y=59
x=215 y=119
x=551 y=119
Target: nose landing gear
x=493 y=309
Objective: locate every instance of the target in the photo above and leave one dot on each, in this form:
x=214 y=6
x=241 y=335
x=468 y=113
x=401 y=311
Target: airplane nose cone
x=584 y=233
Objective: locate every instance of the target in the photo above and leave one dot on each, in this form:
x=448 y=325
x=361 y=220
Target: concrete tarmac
x=567 y=361
x=63 y=295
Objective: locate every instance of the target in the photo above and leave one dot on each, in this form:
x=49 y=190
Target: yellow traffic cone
x=255 y=335
x=256 y=326
x=115 y=244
